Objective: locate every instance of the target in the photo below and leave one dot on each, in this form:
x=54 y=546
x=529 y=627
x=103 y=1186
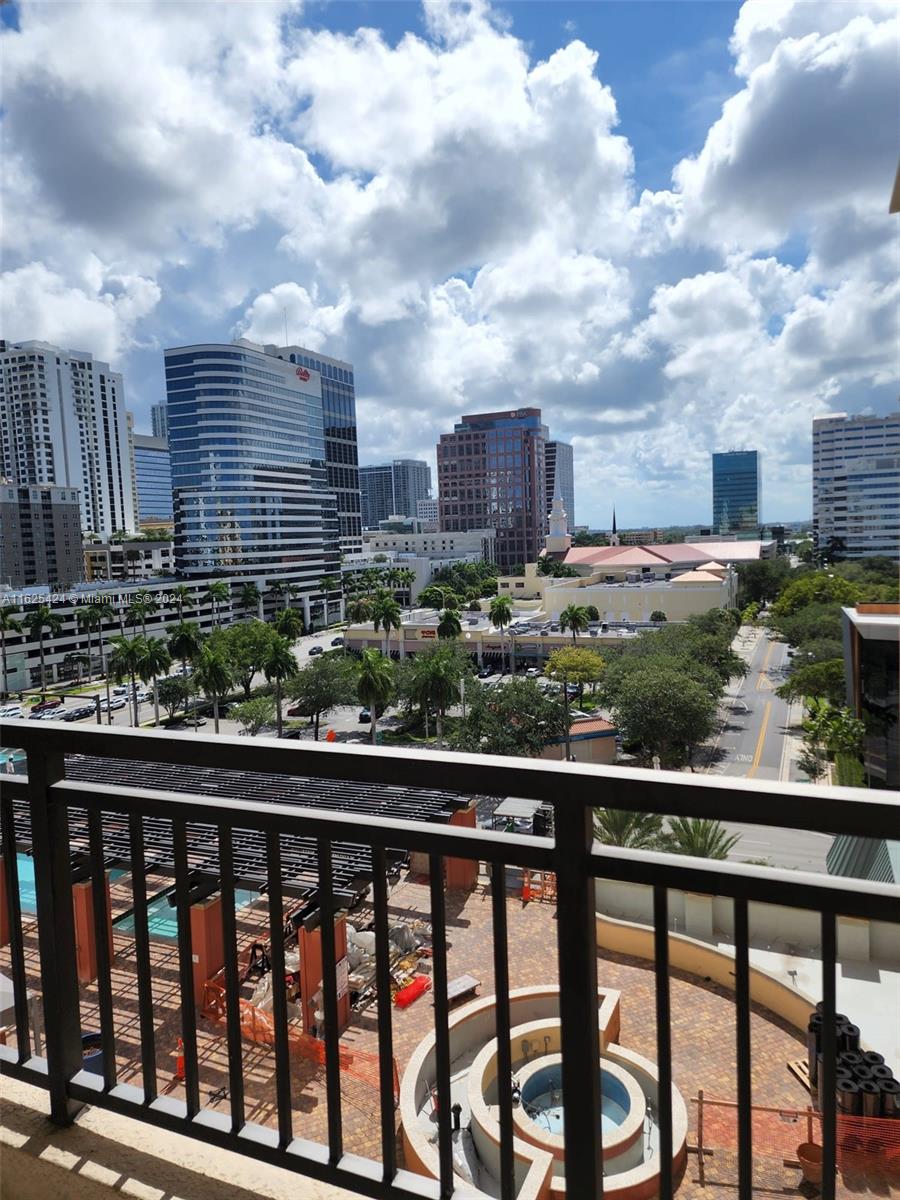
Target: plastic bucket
x=92 y=1053
x=810 y=1156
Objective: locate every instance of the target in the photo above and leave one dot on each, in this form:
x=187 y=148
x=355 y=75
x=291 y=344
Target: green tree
x=250 y=596
x=155 y=661
x=174 y=692
x=39 y=621
x=359 y=609
x=574 y=665
x=449 y=626
x=762 y=580
x=9 y=623
x=821 y=679
x=815 y=587
x=818 y=650
x=663 y=709
x=246 y=645
x=574 y=617
x=593 y=612
x=435 y=596
x=185 y=641
x=279 y=665
x=255 y=714
x=809 y=624
x=500 y=613
x=386 y=615
x=217 y=593
x=633 y=831
x=125 y=663
x=437 y=676
x=516 y=719
x=288 y=624
x=699 y=837
x=375 y=685
x=750 y=613
x=142 y=606
x=658 y=616
x=213 y=676
x=327 y=682
x=181 y=594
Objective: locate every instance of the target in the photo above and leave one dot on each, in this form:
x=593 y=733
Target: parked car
x=115 y=703
x=316 y=650
x=11 y=712
x=46 y=705
x=485 y=673
x=532 y=673
x=121 y=690
x=79 y=713
x=295 y=711
x=338 y=641
x=47 y=714
x=195 y=722
x=365 y=717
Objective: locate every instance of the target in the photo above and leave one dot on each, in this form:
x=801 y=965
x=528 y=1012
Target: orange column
x=207 y=942
x=311 y=971
x=4 y=909
x=463 y=872
x=85 y=941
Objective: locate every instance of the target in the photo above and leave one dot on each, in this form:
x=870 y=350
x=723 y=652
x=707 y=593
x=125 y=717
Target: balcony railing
x=51 y=805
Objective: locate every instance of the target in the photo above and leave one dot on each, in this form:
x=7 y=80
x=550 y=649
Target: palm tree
x=156 y=662
x=328 y=584
x=288 y=624
x=36 y=622
x=214 y=677
x=442 y=682
x=182 y=594
x=8 y=624
x=370 y=579
x=449 y=625
x=574 y=617
x=132 y=556
x=701 y=837
x=125 y=663
x=289 y=591
x=217 y=593
x=500 y=613
x=249 y=597
x=386 y=616
x=359 y=609
x=97 y=613
x=185 y=641
x=278 y=665
x=636 y=831
x=143 y=605
x=375 y=685
x=407 y=578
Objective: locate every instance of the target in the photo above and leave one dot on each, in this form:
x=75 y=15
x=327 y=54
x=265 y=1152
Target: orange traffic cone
x=179 y=1061
x=330 y=736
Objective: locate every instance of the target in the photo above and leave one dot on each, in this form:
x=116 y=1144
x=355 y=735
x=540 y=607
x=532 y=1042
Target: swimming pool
x=27 y=894
x=162 y=917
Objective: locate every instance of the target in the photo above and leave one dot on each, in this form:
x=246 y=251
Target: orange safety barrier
x=258 y=1026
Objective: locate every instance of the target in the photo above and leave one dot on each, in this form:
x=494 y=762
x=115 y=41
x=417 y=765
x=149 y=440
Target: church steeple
x=614 y=537
x=559 y=540
x=614 y=519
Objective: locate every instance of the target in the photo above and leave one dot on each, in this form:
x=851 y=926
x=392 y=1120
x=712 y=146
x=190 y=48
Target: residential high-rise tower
x=856 y=485
x=153 y=478
x=159 y=421
x=393 y=489
x=560 y=476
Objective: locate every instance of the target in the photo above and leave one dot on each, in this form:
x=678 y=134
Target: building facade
x=412 y=483
x=736 y=491
x=474 y=544
x=159 y=421
x=153 y=478
x=872 y=670
x=132 y=561
x=251 y=492
x=428 y=511
x=856 y=485
x=376 y=486
x=560 y=473
x=491 y=474
x=40 y=535
x=63 y=422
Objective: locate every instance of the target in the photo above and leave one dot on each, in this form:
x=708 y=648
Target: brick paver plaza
x=703 y=1035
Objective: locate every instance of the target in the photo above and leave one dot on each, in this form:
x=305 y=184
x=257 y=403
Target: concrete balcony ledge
x=105 y=1156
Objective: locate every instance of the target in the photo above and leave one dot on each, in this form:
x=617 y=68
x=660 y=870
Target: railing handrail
x=834 y=810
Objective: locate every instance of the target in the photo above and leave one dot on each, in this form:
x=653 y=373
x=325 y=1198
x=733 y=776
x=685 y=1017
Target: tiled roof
x=592 y=725
x=714 y=553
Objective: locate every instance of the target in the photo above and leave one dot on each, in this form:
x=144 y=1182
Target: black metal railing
x=48 y=802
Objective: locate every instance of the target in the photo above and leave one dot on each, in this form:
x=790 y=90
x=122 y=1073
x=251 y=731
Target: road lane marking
x=764 y=681
x=759 y=745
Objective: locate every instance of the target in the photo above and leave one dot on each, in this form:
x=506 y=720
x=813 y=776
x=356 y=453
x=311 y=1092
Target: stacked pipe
x=864 y=1084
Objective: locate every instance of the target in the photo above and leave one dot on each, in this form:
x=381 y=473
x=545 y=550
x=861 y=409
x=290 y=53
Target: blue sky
x=664 y=223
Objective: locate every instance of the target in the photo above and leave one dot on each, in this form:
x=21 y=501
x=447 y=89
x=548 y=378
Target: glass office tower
x=249 y=473
x=736 y=491
x=153 y=478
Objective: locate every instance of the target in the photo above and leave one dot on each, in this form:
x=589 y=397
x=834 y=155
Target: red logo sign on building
x=302 y=374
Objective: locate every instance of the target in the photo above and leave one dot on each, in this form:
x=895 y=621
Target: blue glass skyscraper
x=736 y=491
x=152 y=478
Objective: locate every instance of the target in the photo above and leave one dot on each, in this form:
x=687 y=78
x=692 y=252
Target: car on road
x=79 y=713
x=338 y=641
x=46 y=705
x=365 y=717
x=316 y=650
x=485 y=673
x=296 y=711
x=194 y=722
x=47 y=714
x=532 y=673
x=11 y=712
x=115 y=703
x=121 y=690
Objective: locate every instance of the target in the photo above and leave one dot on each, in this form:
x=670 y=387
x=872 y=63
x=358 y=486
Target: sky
x=665 y=224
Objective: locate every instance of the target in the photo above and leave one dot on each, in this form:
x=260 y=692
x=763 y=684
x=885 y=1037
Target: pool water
x=27 y=893
x=543 y=1102
x=162 y=917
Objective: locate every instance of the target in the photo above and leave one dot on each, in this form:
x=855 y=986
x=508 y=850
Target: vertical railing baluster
x=742 y=1029
x=16 y=945
x=279 y=994
x=385 y=1023
x=101 y=916
x=663 y=1039
x=441 y=1022
x=828 y=1071
x=576 y=923
x=56 y=930
x=186 y=968
x=501 y=1015
x=142 y=956
x=329 y=1002
x=232 y=980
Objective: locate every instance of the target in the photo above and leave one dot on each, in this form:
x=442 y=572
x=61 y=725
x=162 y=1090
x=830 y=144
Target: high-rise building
x=856 y=485
x=63 y=422
x=427 y=510
x=560 y=474
x=40 y=535
x=251 y=492
x=338 y=390
x=376 y=486
x=159 y=421
x=393 y=489
x=491 y=474
x=153 y=478
x=736 y=491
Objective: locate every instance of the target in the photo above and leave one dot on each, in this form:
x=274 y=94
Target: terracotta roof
x=702 y=553
x=696 y=577
x=591 y=725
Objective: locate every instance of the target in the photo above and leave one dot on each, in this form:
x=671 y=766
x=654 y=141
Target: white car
x=11 y=712
x=532 y=673
x=115 y=703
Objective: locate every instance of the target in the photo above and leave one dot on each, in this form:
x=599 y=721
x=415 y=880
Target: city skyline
x=572 y=231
